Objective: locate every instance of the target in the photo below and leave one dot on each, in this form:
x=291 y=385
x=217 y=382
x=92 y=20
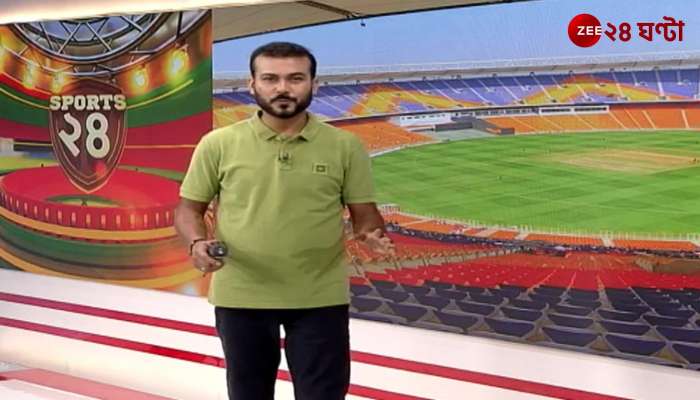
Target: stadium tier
x=596 y=303
x=393 y=114
x=347 y=101
x=380 y=135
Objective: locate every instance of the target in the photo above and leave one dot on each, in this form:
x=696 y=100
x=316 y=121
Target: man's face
x=282 y=87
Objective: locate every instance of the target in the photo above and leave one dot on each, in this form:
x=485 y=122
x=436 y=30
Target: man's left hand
x=378 y=242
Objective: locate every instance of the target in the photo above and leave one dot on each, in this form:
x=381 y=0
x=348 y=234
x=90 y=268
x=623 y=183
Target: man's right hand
x=202 y=261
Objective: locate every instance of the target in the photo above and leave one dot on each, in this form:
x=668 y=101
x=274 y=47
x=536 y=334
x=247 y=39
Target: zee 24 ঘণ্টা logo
x=87 y=123
x=585 y=30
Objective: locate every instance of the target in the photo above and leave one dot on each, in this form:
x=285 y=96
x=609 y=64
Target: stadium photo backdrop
x=98 y=121
x=550 y=201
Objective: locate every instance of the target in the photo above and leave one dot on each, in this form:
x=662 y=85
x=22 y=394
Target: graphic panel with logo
x=98 y=121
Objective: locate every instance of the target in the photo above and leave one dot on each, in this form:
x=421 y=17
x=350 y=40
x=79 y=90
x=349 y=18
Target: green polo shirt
x=280 y=211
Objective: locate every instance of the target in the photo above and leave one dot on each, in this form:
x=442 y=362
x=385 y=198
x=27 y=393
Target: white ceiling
x=231 y=18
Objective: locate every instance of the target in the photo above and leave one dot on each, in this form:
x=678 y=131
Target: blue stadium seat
x=437 y=303
x=570 y=321
x=471 y=289
x=510 y=327
x=625 y=300
x=365 y=303
x=521 y=314
x=393 y=295
x=411 y=312
x=572 y=310
x=359 y=290
x=665 y=321
x=619 y=315
x=379 y=317
x=679 y=334
x=674 y=311
x=383 y=284
x=665 y=303
x=451 y=294
x=634 y=345
x=439 y=285
x=592 y=304
x=486 y=298
x=475 y=308
x=695 y=305
x=570 y=336
x=529 y=304
x=458 y=320
x=421 y=290
x=659 y=294
x=639 y=309
x=502 y=293
x=625 y=327
x=660 y=300
x=684 y=297
x=656 y=294
x=619 y=292
x=511 y=291
x=551 y=300
x=549 y=290
x=581 y=294
x=644 y=290
x=688 y=352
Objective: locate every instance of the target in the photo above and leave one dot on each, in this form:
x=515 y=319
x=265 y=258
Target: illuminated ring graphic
x=30 y=193
x=106 y=45
x=92 y=40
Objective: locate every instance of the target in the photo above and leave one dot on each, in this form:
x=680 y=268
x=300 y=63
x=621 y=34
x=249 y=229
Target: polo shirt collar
x=309 y=132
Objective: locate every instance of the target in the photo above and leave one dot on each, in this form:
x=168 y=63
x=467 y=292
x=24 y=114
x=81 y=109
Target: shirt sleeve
x=201 y=182
x=358 y=186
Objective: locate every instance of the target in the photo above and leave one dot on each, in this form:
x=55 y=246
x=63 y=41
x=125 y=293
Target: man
x=282 y=179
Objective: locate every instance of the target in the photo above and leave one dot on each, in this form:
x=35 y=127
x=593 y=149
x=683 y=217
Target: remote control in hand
x=217 y=250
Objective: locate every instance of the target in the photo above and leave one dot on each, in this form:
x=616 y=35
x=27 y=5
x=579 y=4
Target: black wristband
x=192 y=243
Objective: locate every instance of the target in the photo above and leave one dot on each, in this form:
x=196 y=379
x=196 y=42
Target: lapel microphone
x=283 y=156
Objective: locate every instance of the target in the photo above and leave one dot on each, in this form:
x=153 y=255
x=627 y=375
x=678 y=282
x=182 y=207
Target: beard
x=284 y=109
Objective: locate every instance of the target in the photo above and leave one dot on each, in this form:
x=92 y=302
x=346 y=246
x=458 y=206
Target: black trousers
x=317 y=348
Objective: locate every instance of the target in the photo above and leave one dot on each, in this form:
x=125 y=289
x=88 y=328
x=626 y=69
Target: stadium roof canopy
x=232 y=19
x=234 y=80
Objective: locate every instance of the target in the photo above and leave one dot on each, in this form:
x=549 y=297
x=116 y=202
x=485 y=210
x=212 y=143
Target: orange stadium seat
x=563 y=239
x=579 y=261
x=505 y=235
x=641 y=118
x=693 y=116
x=656 y=244
x=400 y=218
x=382 y=135
x=569 y=122
x=624 y=117
x=666 y=118
x=516 y=123
x=436 y=226
x=411 y=248
x=601 y=121
x=618 y=118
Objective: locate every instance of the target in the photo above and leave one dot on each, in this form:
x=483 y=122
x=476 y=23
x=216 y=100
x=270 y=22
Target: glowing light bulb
x=178 y=63
x=29 y=80
x=59 y=81
x=139 y=80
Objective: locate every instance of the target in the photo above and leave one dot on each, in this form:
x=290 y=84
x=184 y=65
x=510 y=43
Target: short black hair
x=282 y=50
